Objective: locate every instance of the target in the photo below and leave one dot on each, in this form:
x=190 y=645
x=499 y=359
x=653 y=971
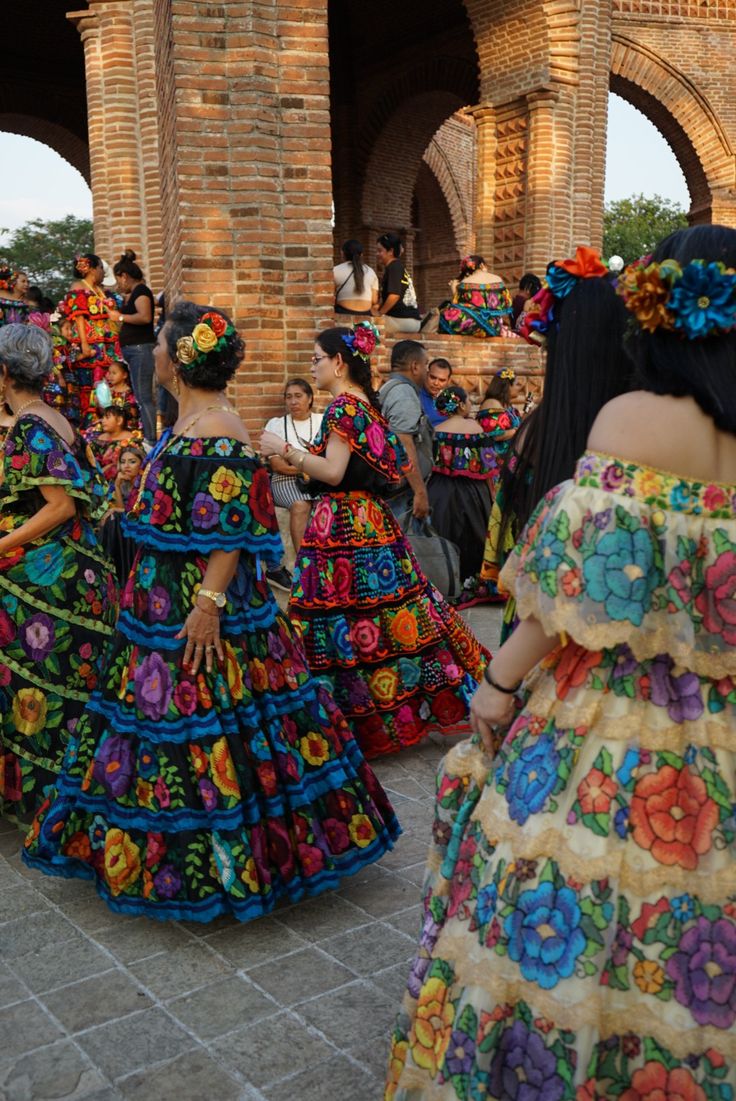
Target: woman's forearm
x=47 y=518
x=221 y=567
x=528 y=645
x=280 y=466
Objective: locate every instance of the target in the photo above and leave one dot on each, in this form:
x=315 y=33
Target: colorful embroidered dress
x=82 y=306
x=398 y=661
x=495 y=422
x=188 y=797
x=479 y=309
x=13 y=311
x=459 y=493
x=58 y=604
x=580 y=930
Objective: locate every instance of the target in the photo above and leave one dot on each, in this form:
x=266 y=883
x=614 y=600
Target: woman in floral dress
x=481 y=303
x=579 y=941
x=210 y=774
x=13 y=310
x=57 y=595
x=397 y=660
x=96 y=324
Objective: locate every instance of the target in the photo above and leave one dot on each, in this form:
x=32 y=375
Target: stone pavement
x=298 y=1005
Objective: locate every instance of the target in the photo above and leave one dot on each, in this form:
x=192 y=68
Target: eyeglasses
x=316 y=359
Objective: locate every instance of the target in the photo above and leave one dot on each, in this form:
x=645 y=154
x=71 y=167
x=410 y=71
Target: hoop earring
x=337 y=373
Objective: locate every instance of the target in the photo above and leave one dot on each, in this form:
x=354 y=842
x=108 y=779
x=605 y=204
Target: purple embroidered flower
x=622 y=943
x=602 y=519
x=626 y=663
x=523 y=1069
x=459 y=1058
x=57 y=464
x=704 y=972
x=680 y=695
x=276 y=648
x=113 y=767
x=153 y=686
x=208 y=791
x=37 y=636
x=205 y=511
x=159 y=603
x=167 y=881
x=612 y=476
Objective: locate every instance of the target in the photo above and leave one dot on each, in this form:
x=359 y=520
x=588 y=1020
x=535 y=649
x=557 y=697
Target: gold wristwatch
x=218 y=599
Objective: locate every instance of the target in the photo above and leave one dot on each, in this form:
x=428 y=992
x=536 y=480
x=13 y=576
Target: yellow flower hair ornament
x=696 y=301
x=208 y=335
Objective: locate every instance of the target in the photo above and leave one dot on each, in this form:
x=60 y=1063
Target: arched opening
x=639 y=160
x=39 y=182
x=682 y=115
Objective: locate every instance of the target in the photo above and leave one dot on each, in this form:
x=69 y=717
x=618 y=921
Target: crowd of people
x=167 y=732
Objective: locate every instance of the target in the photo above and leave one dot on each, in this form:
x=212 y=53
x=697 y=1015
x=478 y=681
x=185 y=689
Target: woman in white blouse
x=356 y=285
x=298 y=426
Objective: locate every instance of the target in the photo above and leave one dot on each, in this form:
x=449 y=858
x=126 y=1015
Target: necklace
x=27 y=405
x=96 y=291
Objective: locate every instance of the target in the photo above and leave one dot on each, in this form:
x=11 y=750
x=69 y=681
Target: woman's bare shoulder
x=221 y=422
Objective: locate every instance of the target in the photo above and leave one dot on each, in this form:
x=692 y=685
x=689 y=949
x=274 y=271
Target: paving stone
x=406 y=786
x=408 y=851
x=185 y=968
x=19 y=899
x=58 y=964
x=370 y=948
x=415 y=873
x=194 y=1075
x=59 y=889
x=140 y=939
x=58 y=1071
x=303 y=975
x=124 y=1046
x=374 y=1057
x=221 y=1007
x=29 y=934
x=10 y=843
x=339 y=1078
x=95 y=1001
x=323 y=917
x=408 y=921
x=90 y=913
x=11 y=989
x=380 y=901
x=269 y=1050
x=248 y=945
x=393 y=980
x=351 y=1015
x=8 y=874
x=24 y=1027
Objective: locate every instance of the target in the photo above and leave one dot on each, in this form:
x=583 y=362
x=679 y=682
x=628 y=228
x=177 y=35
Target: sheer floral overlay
x=579 y=933
x=397 y=659
x=58 y=603
x=190 y=796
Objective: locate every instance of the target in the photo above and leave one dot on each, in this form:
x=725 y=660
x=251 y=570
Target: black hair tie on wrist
x=488 y=678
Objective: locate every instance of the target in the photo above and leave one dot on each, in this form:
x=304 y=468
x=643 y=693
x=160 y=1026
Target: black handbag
x=438 y=558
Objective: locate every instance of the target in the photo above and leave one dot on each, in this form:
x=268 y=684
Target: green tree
x=45 y=250
x=632 y=227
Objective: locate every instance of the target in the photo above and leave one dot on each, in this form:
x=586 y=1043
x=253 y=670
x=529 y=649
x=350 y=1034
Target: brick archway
x=68 y=145
x=682 y=114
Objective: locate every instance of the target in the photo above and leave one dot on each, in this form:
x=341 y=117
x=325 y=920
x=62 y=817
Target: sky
x=38 y=183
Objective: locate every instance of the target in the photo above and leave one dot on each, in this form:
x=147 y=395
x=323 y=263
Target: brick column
x=485 y=196
x=118 y=50
x=548 y=209
x=243 y=89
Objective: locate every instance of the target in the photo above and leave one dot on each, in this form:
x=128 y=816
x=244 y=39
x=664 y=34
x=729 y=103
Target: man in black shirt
x=398 y=298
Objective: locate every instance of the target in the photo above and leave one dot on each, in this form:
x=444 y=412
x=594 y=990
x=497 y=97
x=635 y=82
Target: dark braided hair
x=332 y=343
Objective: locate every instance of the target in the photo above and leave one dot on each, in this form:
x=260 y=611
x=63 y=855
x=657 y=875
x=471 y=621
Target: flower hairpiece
x=695 y=301
x=468 y=264
x=448 y=401
x=210 y=333
x=363 y=339
x=82 y=265
x=562 y=277
x=508 y=374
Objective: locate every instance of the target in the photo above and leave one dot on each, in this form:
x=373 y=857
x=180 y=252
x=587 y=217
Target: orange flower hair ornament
x=562 y=277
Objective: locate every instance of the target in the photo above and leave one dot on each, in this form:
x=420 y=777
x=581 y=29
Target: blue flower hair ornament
x=696 y=301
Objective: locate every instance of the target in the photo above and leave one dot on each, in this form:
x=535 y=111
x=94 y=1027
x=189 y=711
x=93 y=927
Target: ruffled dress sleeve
x=628 y=554
x=74 y=304
x=202 y=495
x=497 y=421
x=367 y=435
x=35 y=456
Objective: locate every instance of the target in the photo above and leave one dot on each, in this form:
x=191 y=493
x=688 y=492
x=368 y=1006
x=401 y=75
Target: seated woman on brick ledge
x=481 y=303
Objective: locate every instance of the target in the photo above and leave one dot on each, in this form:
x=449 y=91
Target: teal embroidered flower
x=621 y=574
x=703 y=300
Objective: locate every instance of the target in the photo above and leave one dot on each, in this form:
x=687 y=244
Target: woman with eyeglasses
x=397 y=660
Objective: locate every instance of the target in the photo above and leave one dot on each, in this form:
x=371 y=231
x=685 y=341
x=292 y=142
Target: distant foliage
x=45 y=250
x=632 y=227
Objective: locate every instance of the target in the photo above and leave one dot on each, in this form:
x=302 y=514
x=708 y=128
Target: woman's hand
x=202 y=632
x=271 y=444
x=490 y=708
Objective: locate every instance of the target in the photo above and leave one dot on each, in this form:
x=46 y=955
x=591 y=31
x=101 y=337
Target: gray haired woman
x=57 y=594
